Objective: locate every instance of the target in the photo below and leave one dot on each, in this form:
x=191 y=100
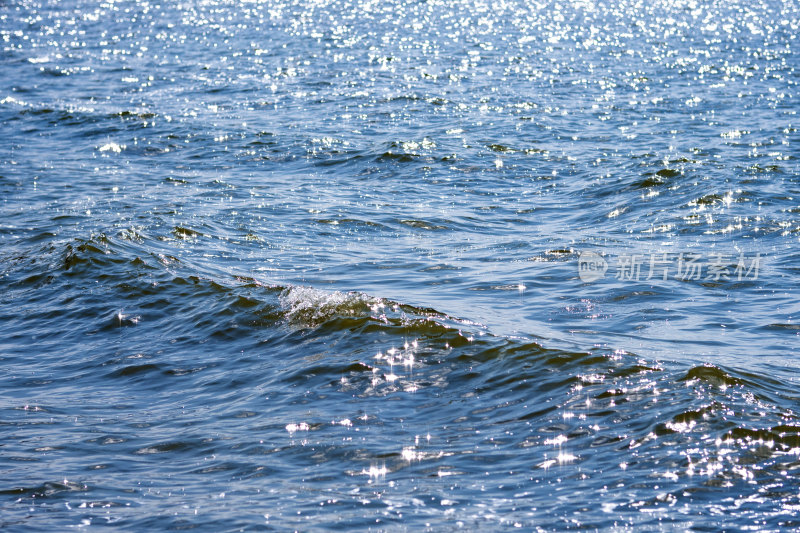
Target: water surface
x=315 y=265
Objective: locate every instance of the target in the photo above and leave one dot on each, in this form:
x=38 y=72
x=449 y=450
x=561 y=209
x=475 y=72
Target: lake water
x=399 y=265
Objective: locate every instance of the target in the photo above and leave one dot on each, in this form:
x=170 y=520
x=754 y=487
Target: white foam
x=111 y=147
x=310 y=304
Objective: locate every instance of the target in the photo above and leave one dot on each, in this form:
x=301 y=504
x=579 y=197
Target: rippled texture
x=315 y=265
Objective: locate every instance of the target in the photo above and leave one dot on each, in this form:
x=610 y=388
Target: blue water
x=317 y=265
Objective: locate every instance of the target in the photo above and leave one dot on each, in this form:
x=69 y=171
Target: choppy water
x=315 y=265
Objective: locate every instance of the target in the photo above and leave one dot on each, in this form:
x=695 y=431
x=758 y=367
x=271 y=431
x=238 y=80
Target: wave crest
x=312 y=306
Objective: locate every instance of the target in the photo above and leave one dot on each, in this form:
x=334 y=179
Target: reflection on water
x=318 y=265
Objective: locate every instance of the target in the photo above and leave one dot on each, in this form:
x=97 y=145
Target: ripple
x=297 y=265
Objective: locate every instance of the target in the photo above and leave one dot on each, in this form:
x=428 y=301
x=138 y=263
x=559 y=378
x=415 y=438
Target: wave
x=296 y=363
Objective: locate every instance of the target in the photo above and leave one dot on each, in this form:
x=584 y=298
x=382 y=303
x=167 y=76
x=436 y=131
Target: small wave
x=47 y=489
x=712 y=374
x=314 y=306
